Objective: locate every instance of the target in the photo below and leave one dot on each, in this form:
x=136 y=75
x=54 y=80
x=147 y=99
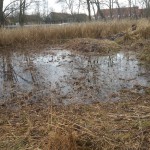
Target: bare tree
x=37 y=11
x=79 y=5
x=146 y=5
x=130 y=9
x=89 y=9
x=45 y=8
x=22 y=8
x=110 y=5
x=5 y=12
x=99 y=12
x=93 y=7
x=69 y=3
x=22 y=12
x=118 y=8
x=1 y=13
x=99 y=9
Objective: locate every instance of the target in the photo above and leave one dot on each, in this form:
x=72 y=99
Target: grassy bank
x=89 y=45
x=111 y=125
x=98 y=37
x=59 y=34
x=101 y=37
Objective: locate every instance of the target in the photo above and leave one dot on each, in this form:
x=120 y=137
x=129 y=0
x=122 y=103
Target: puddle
x=69 y=78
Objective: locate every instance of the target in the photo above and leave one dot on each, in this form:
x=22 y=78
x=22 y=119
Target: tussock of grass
x=112 y=125
x=145 y=55
x=141 y=33
x=92 y=45
x=143 y=49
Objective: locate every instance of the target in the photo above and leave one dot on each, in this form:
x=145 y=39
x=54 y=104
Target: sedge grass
x=59 y=34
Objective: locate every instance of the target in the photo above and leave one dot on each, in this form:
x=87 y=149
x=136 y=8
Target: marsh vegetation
x=78 y=86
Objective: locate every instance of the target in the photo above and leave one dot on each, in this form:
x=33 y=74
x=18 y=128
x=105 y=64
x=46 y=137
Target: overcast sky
x=58 y=7
x=51 y=3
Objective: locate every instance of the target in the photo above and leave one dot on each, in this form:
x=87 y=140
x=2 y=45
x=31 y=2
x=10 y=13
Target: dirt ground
x=123 y=124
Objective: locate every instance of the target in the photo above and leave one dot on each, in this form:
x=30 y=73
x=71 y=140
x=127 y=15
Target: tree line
x=93 y=7
x=96 y=6
x=19 y=6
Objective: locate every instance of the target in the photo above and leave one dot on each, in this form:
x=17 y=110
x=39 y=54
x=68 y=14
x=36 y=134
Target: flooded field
x=68 y=77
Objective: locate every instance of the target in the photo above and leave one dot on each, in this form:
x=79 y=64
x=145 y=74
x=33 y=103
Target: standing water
x=69 y=77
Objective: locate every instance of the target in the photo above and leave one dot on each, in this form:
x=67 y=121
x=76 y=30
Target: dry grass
x=111 y=125
x=59 y=34
x=92 y=45
x=142 y=47
x=145 y=54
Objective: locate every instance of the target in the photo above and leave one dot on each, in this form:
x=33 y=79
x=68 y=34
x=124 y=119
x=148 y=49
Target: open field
x=75 y=87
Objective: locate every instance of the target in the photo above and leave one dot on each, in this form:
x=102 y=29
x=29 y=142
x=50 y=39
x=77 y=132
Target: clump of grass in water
x=92 y=45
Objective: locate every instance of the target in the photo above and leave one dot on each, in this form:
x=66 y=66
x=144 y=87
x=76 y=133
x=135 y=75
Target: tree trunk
x=99 y=10
x=110 y=8
x=1 y=13
x=147 y=8
x=118 y=9
x=22 y=12
x=130 y=9
x=95 y=16
x=89 y=9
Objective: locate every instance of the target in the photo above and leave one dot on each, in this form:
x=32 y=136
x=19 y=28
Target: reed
x=54 y=34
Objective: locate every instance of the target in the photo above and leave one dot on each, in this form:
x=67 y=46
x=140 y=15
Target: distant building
x=29 y=19
x=123 y=12
x=55 y=17
x=33 y=19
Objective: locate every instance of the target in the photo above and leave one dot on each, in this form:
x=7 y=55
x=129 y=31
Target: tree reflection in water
x=66 y=77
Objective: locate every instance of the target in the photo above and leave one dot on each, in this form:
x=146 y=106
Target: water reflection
x=68 y=77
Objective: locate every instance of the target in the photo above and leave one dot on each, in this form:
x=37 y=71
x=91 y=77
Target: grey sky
x=53 y=6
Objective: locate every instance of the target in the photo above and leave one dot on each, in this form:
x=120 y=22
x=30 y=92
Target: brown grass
x=60 y=34
x=145 y=54
x=56 y=34
x=92 y=45
x=118 y=125
x=111 y=125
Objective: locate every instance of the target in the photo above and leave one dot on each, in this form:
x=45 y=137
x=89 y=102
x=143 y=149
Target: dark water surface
x=69 y=77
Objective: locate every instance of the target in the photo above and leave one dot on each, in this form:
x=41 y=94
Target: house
x=55 y=17
x=123 y=12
